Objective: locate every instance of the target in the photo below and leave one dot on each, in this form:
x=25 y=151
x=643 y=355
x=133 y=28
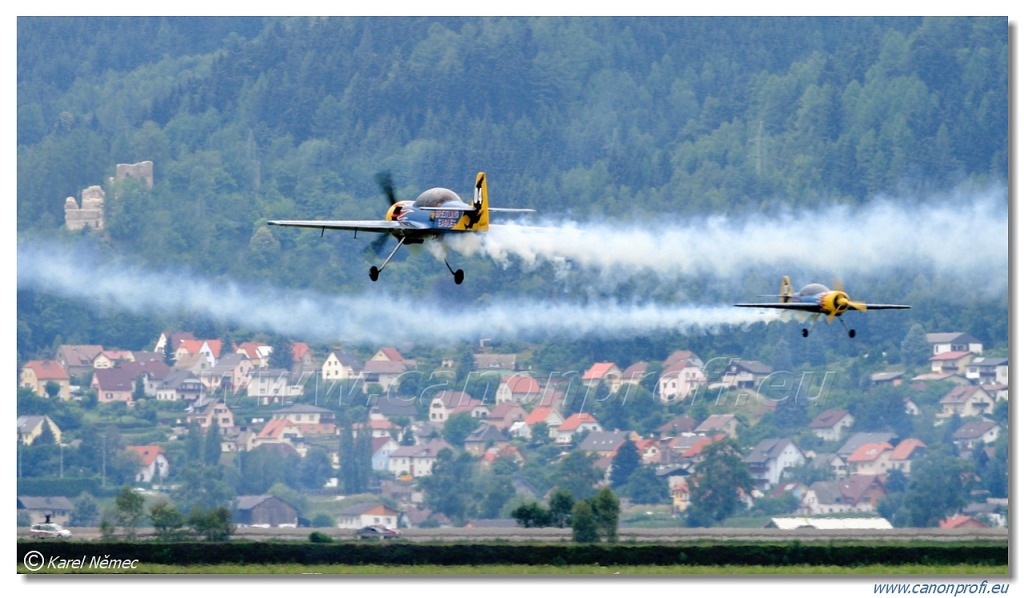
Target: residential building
x=340 y=365
x=830 y=425
x=52 y=509
x=726 y=423
x=153 y=463
x=113 y=385
x=77 y=359
x=945 y=342
x=31 y=426
x=37 y=374
x=974 y=434
x=577 y=423
x=272 y=386
x=449 y=402
x=905 y=453
x=517 y=388
x=682 y=374
x=989 y=370
x=966 y=401
x=741 y=373
x=364 y=514
x=265 y=511
x=603 y=372
x=416 y=461
x=770 y=458
x=951 y=362
x=872 y=458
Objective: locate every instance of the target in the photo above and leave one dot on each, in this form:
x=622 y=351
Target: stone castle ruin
x=90 y=214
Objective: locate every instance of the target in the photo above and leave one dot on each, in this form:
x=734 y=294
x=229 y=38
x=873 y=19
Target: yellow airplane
x=434 y=213
x=817 y=299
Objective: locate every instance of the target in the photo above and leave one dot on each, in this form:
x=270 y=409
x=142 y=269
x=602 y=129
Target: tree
x=914 y=349
x=716 y=484
x=584 y=524
x=211 y=445
x=458 y=427
x=936 y=489
x=624 y=463
x=86 y=512
x=605 y=506
x=128 y=511
x=167 y=521
x=531 y=514
x=315 y=469
x=214 y=525
x=577 y=474
x=646 y=488
x=560 y=505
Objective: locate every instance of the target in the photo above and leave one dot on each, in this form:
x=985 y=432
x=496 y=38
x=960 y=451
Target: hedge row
x=405 y=553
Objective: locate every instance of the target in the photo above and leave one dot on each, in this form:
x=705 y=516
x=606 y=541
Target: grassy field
x=552 y=570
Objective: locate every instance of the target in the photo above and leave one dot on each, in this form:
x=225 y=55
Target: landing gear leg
x=458 y=274
x=375 y=271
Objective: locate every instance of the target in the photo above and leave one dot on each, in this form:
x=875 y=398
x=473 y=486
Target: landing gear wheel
x=804 y=332
x=374 y=273
x=853 y=333
x=459 y=276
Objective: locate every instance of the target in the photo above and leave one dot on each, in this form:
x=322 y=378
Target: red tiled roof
x=906 y=448
x=47 y=369
x=869 y=451
x=521 y=384
x=147 y=453
x=599 y=370
x=574 y=421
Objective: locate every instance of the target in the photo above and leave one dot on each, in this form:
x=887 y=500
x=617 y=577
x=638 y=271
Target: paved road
x=625 y=534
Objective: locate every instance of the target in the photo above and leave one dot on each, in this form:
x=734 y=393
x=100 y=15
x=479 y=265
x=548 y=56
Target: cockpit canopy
x=813 y=289
x=436 y=197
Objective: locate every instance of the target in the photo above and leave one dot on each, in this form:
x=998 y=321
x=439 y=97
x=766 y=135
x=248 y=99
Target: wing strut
x=375 y=271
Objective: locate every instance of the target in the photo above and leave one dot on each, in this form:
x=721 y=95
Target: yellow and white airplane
x=817 y=299
x=434 y=213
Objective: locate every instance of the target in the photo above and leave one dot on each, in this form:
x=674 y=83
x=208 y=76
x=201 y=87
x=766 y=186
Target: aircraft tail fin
x=482 y=219
x=785 y=290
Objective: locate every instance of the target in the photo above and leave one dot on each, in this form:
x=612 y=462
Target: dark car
x=379 y=532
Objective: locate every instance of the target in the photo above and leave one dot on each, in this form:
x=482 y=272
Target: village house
x=547 y=416
x=504 y=415
x=77 y=359
x=682 y=374
x=265 y=511
x=52 y=509
x=257 y=353
x=952 y=362
x=384 y=373
x=364 y=514
x=890 y=378
x=517 y=388
x=974 y=434
x=36 y=374
x=208 y=350
x=113 y=385
x=680 y=497
x=856 y=440
x=502 y=451
x=577 y=423
x=31 y=426
x=181 y=385
x=495 y=361
x=174 y=338
x=279 y=431
x=872 y=458
x=416 y=461
x=830 y=425
x=989 y=370
x=947 y=342
x=449 y=402
x=272 y=386
x=231 y=374
x=767 y=461
x=857 y=493
x=960 y=522
x=381 y=449
x=340 y=365
x=742 y=373
x=905 y=453
x=635 y=373
x=603 y=443
x=683 y=424
x=603 y=372
x=211 y=412
x=153 y=463
x=966 y=401
x=482 y=438
x=726 y=422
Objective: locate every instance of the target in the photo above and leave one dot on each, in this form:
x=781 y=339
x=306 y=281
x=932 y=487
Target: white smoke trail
x=962 y=232
x=365 y=318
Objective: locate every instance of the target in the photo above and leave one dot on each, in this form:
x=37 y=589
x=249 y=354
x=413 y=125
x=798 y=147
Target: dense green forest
x=248 y=119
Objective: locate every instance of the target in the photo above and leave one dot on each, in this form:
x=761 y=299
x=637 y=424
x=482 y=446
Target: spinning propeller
x=838 y=301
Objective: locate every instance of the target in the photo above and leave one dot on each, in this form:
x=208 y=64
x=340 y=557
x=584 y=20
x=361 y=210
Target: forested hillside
x=622 y=120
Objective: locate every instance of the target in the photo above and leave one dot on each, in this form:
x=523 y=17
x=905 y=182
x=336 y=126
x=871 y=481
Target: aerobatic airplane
x=436 y=212
x=817 y=299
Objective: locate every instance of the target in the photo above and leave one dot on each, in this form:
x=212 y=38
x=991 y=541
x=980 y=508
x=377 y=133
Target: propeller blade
x=387 y=185
x=858 y=305
x=377 y=245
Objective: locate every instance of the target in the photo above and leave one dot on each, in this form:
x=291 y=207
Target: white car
x=49 y=530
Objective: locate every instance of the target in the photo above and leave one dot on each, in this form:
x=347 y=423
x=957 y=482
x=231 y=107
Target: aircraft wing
x=373 y=226
x=793 y=305
x=885 y=306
